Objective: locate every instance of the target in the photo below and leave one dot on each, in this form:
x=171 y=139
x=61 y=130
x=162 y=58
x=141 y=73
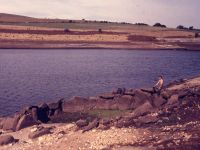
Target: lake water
x=30 y=77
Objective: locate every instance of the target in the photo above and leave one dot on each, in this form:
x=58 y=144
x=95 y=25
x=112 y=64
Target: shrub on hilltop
x=196 y=35
x=159 y=25
x=181 y=27
x=141 y=24
x=100 y=30
x=66 y=30
x=191 y=28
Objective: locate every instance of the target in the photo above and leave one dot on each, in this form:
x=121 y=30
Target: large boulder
x=34 y=113
x=124 y=102
x=173 y=99
x=77 y=104
x=105 y=104
x=25 y=121
x=10 y=123
x=6 y=139
x=120 y=102
x=158 y=100
x=149 y=118
x=124 y=122
x=39 y=132
x=143 y=109
x=92 y=125
x=107 y=101
x=56 y=108
x=140 y=98
x=184 y=93
x=1 y=123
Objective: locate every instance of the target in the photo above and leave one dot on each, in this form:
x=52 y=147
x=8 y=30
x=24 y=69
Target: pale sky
x=168 y=12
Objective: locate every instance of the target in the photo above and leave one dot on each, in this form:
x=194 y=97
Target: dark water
x=34 y=76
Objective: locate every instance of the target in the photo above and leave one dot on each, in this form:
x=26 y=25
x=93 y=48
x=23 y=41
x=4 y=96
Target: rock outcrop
x=168 y=120
x=25 y=121
x=31 y=116
x=10 y=123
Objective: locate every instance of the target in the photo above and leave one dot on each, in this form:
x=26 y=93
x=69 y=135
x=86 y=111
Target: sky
x=169 y=12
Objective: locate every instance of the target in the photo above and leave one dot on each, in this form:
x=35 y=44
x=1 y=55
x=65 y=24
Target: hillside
x=60 y=33
x=14 y=18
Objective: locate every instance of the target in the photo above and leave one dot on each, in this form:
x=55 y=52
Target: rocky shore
x=123 y=119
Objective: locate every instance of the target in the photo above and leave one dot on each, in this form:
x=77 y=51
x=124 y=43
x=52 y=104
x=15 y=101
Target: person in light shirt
x=159 y=85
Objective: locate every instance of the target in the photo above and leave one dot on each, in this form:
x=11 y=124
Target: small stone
x=39 y=133
x=81 y=123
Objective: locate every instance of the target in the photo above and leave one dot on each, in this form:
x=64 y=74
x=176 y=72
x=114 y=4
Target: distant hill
x=11 y=18
x=15 y=18
x=19 y=20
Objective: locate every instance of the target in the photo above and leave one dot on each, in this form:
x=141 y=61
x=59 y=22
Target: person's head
x=160 y=77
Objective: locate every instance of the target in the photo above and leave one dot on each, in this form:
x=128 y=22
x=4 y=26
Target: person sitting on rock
x=159 y=85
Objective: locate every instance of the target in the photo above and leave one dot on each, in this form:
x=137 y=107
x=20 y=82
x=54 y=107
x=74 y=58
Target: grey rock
x=147 y=119
x=173 y=99
x=158 y=101
x=10 y=123
x=25 y=121
x=57 y=112
x=104 y=127
x=125 y=122
x=143 y=109
x=56 y=108
x=81 y=123
x=39 y=132
x=140 y=98
x=77 y=104
x=6 y=139
x=1 y=123
x=184 y=93
x=92 y=125
x=124 y=102
x=105 y=121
